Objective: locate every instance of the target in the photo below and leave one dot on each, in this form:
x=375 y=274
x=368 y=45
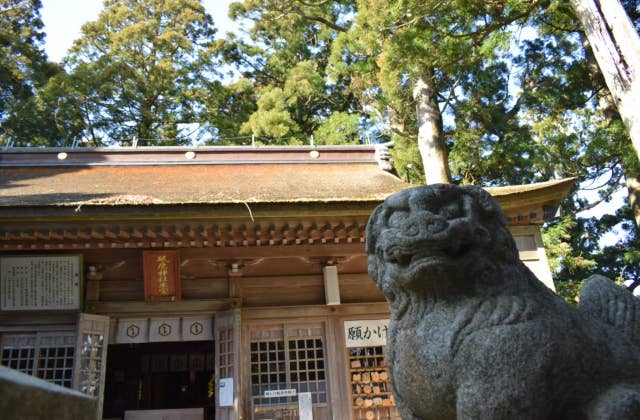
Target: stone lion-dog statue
x=475 y=335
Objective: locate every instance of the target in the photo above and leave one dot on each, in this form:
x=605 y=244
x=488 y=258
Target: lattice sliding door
x=227 y=342
x=286 y=361
x=46 y=355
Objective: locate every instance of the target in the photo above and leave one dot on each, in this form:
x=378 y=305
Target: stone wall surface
x=24 y=397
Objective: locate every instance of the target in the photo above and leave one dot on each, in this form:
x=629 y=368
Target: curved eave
x=339 y=222
x=541 y=193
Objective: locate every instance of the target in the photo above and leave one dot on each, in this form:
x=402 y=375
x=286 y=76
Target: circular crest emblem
x=133 y=331
x=196 y=328
x=164 y=329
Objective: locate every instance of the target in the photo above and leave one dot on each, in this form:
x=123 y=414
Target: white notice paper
x=280 y=393
x=225 y=395
x=305 y=406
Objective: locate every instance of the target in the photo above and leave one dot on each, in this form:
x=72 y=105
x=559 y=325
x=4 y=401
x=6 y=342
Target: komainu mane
x=475 y=335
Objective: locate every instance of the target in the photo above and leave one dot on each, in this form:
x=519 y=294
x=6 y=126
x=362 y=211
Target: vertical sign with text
x=161 y=275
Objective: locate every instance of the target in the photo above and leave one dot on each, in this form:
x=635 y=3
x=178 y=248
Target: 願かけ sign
x=366 y=333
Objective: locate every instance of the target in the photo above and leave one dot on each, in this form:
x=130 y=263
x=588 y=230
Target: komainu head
x=437 y=237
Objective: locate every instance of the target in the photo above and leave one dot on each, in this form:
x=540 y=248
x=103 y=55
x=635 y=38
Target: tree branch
x=319 y=19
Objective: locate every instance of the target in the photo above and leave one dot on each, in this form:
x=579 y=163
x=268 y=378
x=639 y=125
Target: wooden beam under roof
x=188 y=235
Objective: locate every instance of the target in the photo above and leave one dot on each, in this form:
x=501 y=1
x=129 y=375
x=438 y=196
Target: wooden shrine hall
x=209 y=282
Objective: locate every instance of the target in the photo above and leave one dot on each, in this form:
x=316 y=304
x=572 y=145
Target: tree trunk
x=633 y=188
x=616 y=46
x=433 y=149
x=608 y=106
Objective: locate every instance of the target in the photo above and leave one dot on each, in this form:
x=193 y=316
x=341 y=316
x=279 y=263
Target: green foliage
x=142 y=70
x=24 y=69
x=287 y=60
x=560 y=243
x=272 y=118
x=228 y=106
x=406 y=159
x=574 y=251
x=339 y=128
x=393 y=44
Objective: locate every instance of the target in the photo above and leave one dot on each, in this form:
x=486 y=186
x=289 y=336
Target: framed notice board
x=41 y=283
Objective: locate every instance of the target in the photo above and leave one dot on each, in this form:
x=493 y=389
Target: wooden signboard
x=40 y=283
x=161 y=275
x=366 y=333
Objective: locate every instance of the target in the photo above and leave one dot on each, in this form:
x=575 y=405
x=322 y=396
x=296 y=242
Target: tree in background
x=286 y=58
x=23 y=70
x=574 y=242
x=410 y=57
x=227 y=108
x=143 y=71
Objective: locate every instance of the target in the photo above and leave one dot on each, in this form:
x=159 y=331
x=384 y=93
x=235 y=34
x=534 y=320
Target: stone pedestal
x=26 y=397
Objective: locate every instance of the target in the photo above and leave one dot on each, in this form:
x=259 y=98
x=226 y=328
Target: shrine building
x=209 y=282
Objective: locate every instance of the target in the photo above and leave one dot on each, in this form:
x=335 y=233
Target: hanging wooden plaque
x=161 y=275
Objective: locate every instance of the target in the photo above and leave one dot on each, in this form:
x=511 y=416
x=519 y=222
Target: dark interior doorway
x=156 y=376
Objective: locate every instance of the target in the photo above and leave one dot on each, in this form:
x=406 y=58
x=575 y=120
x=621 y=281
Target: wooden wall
x=272 y=280
x=257 y=282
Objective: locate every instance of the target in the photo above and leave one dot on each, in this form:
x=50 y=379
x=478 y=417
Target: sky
x=63 y=19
